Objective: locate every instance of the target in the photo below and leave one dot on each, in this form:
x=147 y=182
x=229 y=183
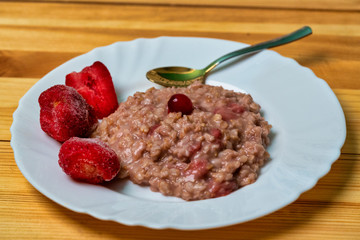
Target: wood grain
x=58 y=32
x=349 y=5
x=37 y=36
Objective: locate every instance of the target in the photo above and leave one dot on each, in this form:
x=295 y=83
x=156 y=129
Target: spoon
x=183 y=76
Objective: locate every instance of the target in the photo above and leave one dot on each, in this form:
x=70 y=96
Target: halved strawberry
x=95 y=84
x=89 y=160
x=64 y=113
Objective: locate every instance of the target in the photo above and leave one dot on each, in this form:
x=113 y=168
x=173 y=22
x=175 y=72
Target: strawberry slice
x=89 y=160
x=95 y=84
x=64 y=113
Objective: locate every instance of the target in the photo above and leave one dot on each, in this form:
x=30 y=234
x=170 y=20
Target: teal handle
x=302 y=32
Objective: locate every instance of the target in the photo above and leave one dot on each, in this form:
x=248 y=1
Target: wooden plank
x=49 y=221
x=350 y=102
x=11 y=90
x=61 y=13
x=349 y=5
x=73 y=28
x=31 y=64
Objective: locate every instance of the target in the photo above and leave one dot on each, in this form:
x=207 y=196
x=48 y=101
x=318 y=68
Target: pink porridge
x=213 y=151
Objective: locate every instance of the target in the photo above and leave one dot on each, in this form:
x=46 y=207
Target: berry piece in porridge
x=88 y=160
x=197 y=168
x=180 y=103
x=230 y=111
x=95 y=84
x=64 y=113
x=221 y=189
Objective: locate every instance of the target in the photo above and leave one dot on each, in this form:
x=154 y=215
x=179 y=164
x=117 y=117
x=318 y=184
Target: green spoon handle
x=300 y=33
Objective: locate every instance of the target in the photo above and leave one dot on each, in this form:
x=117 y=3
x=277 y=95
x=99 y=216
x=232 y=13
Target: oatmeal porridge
x=217 y=148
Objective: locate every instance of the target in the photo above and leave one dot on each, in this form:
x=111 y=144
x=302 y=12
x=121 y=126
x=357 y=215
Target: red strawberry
x=216 y=133
x=221 y=189
x=95 y=84
x=64 y=113
x=197 y=168
x=88 y=160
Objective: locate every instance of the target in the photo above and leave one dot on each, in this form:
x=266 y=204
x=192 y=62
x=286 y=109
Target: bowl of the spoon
x=175 y=76
x=183 y=76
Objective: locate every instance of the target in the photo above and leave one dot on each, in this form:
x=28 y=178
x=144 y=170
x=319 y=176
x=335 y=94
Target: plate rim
x=27 y=175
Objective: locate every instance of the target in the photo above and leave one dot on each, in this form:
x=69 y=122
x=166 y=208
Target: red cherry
x=180 y=103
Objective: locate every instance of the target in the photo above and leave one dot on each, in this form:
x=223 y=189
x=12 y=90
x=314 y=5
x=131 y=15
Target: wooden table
x=37 y=36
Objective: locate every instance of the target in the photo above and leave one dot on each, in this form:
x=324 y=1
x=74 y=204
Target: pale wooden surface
x=35 y=37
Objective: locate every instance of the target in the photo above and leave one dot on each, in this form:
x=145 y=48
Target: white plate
x=308 y=133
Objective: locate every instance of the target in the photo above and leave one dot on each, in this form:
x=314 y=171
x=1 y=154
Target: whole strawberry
x=95 y=84
x=64 y=113
x=88 y=160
